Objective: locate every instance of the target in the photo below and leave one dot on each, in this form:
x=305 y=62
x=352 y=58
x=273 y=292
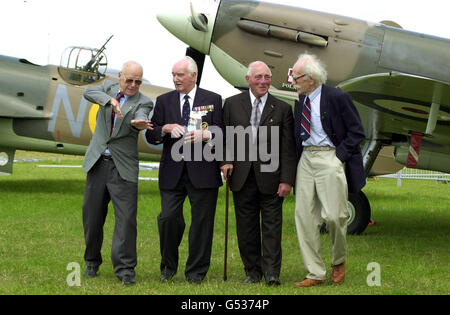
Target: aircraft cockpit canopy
x=83 y=65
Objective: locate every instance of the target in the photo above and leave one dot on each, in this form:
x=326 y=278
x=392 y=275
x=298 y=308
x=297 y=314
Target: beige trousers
x=321 y=196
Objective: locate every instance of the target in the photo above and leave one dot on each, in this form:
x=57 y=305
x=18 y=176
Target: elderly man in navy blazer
x=181 y=175
x=328 y=132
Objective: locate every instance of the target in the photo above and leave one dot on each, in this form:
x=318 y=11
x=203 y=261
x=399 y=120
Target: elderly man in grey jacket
x=112 y=167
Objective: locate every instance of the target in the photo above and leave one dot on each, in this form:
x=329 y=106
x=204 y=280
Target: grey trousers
x=104 y=184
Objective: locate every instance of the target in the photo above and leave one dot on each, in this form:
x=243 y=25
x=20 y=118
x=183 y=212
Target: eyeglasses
x=130 y=81
x=299 y=77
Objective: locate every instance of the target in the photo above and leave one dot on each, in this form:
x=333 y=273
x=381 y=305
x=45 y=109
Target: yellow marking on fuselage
x=93 y=117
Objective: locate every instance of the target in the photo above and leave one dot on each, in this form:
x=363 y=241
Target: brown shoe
x=308 y=283
x=338 y=273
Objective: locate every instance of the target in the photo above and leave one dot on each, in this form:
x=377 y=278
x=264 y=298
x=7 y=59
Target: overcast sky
x=40 y=30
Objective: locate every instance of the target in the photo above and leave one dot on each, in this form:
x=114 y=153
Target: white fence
x=409 y=173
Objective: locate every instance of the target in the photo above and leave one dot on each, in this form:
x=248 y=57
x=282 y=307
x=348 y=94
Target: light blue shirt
x=318 y=136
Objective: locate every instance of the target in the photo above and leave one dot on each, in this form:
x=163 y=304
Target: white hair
x=253 y=64
x=192 y=65
x=314 y=68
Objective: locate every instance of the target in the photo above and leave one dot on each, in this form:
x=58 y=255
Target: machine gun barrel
x=88 y=66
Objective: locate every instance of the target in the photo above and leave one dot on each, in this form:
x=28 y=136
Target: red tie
x=113 y=114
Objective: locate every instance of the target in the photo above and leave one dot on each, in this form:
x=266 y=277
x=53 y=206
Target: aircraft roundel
x=401 y=107
x=93 y=117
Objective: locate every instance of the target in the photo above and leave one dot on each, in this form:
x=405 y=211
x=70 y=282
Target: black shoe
x=194 y=280
x=167 y=275
x=273 y=280
x=91 y=271
x=127 y=280
x=252 y=279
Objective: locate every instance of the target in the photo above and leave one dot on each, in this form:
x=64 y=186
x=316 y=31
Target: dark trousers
x=171 y=227
x=104 y=184
x=259 y=227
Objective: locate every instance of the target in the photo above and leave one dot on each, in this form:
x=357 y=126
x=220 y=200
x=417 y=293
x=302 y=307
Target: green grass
x=41 y=233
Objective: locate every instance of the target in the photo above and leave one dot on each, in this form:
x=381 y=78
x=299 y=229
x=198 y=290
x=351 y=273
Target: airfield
x=41 y=237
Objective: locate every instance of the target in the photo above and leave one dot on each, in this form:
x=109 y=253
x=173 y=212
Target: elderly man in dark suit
x=112 y=167
x=259 y=185
x=328 y=131
x=182 y=174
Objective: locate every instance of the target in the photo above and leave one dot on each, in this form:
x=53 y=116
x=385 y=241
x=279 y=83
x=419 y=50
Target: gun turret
x=93 y=64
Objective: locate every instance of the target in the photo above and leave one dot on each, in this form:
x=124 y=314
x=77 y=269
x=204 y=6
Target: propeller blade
x=199 y=21
x=199 y=59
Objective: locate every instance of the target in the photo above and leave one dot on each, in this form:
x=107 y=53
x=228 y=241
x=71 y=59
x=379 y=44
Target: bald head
x=130 y=78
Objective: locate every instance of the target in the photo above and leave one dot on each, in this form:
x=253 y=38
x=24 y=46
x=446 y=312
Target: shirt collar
x=191 y=94
x=263 y=98
x=124 y=97
x=314 y=94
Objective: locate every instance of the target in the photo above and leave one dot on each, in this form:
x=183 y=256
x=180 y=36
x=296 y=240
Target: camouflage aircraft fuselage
x=397 y=78
x=41 y=111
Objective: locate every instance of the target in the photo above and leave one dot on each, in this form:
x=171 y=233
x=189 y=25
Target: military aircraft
x=43 y=108
x=399 y=80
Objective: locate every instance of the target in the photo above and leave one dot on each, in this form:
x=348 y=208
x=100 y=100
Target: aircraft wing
x=394 y=105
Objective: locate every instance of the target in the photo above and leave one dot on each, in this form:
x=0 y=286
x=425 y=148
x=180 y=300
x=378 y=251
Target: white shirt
x=191 y=99
x=261 y=105
x=318 y=136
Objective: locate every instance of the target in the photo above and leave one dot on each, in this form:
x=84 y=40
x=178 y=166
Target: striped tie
x=255 y=118
x=255 y=115
x=306 y=120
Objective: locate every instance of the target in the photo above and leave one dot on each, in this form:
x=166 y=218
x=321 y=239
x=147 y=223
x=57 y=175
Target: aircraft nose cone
x=181 y=26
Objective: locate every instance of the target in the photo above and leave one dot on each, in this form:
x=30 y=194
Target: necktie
x=255 y=118
x=186 y=111
x=255 y=115
x=113 y=114
x=306 y=120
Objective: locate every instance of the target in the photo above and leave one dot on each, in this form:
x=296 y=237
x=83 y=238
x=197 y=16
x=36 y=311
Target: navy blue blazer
x=202 y=174
x=342 y=124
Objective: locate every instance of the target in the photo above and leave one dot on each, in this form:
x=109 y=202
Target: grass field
x=41 y=233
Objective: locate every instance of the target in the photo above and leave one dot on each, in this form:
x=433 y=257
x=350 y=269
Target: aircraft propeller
x=200 y=22
x=199 y=59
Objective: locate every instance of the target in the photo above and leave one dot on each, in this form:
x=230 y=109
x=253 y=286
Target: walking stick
x=227 y=193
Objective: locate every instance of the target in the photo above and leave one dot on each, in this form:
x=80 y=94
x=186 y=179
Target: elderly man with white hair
x=328 y=132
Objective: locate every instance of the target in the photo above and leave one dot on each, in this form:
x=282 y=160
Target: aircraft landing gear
x=359 y=213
